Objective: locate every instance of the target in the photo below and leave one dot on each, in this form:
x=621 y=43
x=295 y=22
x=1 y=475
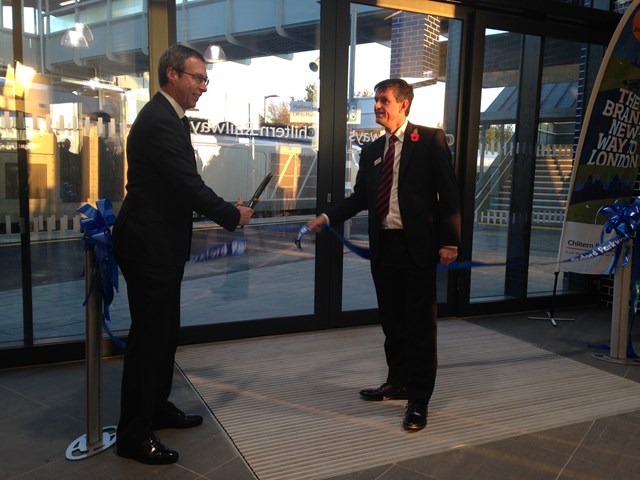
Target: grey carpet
x=290 y=403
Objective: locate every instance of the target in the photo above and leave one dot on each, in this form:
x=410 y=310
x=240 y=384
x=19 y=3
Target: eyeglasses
x=196 y=77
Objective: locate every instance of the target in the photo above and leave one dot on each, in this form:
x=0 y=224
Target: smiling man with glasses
x=185 y=81
x=152 y=241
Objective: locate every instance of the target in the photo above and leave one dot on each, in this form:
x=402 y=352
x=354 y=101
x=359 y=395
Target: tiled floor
x=43 y=412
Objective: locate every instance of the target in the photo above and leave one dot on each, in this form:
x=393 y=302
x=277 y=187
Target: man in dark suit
x=414 y=223
x=152 y=241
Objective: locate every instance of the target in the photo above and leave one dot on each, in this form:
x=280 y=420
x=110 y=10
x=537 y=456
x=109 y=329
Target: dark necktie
x=386 y=180
x=187 y=131
x=187 y=126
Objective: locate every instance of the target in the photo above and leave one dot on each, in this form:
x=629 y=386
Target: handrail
x=494 y=174
x=493 y=178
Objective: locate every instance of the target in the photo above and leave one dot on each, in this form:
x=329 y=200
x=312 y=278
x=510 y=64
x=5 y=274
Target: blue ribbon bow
x=97 y=238
x=625 y=221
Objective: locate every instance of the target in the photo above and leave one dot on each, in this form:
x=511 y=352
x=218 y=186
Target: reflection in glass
x=259 y=116
x=77 y=111
x=78 y=36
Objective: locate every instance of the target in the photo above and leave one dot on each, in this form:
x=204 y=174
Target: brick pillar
x=414 y=45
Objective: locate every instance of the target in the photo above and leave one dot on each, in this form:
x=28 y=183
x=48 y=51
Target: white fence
x=539 y=217
x=40 y=223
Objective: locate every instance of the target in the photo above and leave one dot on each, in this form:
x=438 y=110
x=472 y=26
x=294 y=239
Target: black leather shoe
x=148 y=450
x=176 y=419
x=415 y=418
x=385 y=391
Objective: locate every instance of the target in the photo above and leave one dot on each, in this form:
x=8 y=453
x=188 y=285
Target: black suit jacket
x=428 y=194
x=164 y=188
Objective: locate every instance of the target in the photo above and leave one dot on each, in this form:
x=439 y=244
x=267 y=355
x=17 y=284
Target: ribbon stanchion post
x=625 y=221
x=619 y=314
x=97 y=259
x=622 y=316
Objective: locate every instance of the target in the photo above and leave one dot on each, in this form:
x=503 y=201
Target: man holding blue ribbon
x=407 y=183
x=152 y=241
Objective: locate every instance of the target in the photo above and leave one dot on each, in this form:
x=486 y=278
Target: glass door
x=565 y=89
x=529 y=121
x=259 y=116
x=77 y=112
x=495 y=160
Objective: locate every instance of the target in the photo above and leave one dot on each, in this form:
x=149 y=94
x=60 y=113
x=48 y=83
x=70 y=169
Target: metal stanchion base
x=552 y=319
x=549 y=315
x=78 y=449
x=620 y=361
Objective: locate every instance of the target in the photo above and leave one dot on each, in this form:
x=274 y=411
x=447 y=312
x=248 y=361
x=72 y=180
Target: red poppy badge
x=415 y=136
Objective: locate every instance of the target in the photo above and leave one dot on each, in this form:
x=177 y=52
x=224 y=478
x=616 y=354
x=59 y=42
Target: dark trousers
x=407 y=303
x=154 y=304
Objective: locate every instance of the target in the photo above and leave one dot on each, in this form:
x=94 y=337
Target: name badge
x=377 y=161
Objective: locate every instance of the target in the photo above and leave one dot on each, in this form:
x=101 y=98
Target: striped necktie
x=386 y=180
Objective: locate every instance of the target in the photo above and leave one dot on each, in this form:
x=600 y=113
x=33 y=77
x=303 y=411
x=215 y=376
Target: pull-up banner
x=606 y=162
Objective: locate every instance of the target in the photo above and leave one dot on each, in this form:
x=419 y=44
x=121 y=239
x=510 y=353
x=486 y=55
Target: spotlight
x=214 y=54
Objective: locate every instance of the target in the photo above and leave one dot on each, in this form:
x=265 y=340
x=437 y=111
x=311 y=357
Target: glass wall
x=564 y=87
x=73 y=86
x=496 y=151
x=73 y=109
x=89 y=65
x=11 y=278
x=259 y=116
x=501 y=203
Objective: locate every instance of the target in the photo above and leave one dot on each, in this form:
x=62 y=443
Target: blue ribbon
x=623 y=219
x=97 y=238
x=360 y=251
x=303 y=230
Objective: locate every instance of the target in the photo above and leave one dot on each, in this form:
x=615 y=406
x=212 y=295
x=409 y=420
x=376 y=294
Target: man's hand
x=245 y=213
x=448 y=255
x=316 y=224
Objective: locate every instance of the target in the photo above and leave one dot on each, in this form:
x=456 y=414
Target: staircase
x=550 y=191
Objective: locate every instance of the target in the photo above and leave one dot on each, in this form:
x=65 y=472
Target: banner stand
x=620 y=337
x=97 y=439
x=550 y=314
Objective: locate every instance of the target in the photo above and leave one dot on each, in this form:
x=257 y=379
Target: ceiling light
x=214 y=54
x=78 y=36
